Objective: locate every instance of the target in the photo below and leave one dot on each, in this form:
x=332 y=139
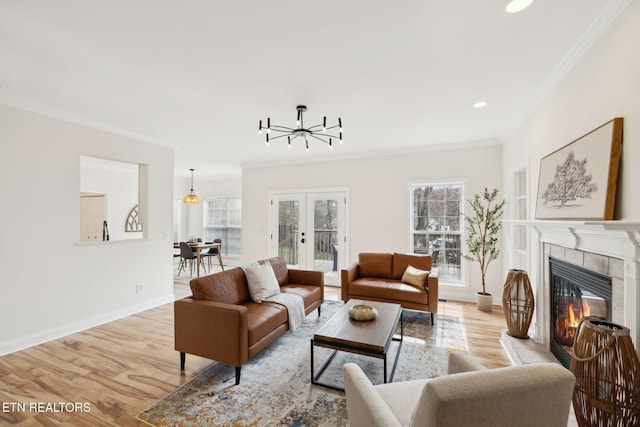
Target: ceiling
x=199 y=74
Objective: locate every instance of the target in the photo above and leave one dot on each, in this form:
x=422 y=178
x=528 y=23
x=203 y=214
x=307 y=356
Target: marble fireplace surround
x=608 y=247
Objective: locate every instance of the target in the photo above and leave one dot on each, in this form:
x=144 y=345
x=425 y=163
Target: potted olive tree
x=483 y=224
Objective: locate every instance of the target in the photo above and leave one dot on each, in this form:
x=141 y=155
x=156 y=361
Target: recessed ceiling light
x=480 y=104
x=515 y=6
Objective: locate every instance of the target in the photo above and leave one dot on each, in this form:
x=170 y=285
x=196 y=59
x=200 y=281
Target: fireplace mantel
x=615 y=239
x=618 y=239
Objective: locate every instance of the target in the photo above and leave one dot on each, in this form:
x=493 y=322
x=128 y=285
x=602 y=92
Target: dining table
x=197 y=248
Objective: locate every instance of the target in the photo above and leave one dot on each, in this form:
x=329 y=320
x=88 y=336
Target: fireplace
x=611 y=248
x=575 y=292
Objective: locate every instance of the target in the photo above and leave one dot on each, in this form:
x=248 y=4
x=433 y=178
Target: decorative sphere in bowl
x=363 y=312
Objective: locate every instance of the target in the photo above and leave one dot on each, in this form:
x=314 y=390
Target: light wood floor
x=121 y=368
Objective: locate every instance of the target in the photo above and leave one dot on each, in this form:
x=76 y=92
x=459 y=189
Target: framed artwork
x=579 y=180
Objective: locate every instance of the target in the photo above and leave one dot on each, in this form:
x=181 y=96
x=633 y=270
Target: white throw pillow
x=415 y=277
x=262 y=281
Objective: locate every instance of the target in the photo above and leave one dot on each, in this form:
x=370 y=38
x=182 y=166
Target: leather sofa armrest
x=212 y=329
x=432 y=285
x=306 y=277
x=347 y=276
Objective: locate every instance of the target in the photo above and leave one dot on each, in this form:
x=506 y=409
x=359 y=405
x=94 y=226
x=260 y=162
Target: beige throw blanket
x=295 y=307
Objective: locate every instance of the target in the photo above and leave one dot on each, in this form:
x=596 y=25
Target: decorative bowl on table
x=363 y=312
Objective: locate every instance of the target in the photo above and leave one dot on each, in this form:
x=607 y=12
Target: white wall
x=378 y=199
x=603 y=84
x=51 y=284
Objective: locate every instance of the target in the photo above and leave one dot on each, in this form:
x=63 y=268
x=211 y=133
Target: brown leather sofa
x=220 y=321
x=377 y=277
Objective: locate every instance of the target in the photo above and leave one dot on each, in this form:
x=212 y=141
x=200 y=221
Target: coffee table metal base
x=316 y=374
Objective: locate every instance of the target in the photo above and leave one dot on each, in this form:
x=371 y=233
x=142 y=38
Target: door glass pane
x=288 y=230
x=325 y=228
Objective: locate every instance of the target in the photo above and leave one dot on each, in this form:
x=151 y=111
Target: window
x=223 y=220
x=437 y=226
x=520 y=193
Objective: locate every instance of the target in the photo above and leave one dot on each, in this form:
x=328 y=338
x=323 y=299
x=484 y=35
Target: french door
x=309 y=231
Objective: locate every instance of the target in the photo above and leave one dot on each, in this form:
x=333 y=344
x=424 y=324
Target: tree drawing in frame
x=571 y=182
x=579 y=180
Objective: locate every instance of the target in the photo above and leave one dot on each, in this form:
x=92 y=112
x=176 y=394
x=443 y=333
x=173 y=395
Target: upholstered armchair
x=471 y=395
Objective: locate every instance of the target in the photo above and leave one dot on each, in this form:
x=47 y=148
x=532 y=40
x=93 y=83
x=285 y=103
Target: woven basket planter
x=607 y=370
x=518 y=303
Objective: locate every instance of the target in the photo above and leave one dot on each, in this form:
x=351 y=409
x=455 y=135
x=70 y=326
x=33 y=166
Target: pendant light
x=191 y=198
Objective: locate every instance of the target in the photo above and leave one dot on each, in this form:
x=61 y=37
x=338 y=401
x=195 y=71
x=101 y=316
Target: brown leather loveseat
x=220 y=321
x=378 y=277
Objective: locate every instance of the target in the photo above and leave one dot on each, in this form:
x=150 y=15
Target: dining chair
x=434 y=257
x=188 y=255
x=214 y=252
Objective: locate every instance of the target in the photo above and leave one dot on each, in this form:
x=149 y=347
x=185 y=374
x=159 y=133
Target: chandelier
x=318 y=131
x=191 y=198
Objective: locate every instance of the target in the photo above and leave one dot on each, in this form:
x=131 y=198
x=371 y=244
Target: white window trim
x=464 y=270
x=239 y=227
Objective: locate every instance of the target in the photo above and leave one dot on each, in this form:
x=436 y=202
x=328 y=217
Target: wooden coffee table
x=369 y=338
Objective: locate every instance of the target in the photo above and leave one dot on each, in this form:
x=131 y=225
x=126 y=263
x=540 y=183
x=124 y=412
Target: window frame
x=444 y=277
x=209 y=231
x=521 y=240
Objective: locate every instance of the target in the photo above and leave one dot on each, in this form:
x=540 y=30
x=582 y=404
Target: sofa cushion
x=401 y=398
x=264 y=318
x=280 y=269
x=229 y=286
x=261 y=280
x=309 y=293
x=401 y=261
x=415 y=277
x=387 y=289
x=375 y=265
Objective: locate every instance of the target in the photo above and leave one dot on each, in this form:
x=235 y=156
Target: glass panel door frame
x=321 y=238
x=286 y=238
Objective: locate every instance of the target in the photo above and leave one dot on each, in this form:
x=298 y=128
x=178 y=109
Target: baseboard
x=80 y=325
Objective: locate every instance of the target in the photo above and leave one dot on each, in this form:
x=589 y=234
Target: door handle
x=302 y=240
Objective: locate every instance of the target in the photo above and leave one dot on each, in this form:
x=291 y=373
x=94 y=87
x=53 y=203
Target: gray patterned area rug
x=275 y=387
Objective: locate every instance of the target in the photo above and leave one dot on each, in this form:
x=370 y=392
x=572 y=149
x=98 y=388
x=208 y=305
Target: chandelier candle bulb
x=260 y=128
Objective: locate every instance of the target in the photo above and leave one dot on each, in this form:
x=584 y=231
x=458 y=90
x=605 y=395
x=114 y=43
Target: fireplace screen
x=576 y=292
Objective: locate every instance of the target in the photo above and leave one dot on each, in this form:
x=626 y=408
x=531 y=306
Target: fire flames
x=585 y=310
x=567 y=323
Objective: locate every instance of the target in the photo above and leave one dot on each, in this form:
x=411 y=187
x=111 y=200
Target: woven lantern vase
x=518 y=303
x=605 y=363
